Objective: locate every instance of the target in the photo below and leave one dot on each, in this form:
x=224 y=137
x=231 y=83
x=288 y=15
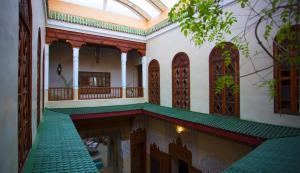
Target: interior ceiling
x=138 y=9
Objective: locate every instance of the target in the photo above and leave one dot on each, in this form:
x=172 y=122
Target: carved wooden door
x=226 y=102
x=24 y=82
x=154 y=82
x=181 y=81
x=138 y=151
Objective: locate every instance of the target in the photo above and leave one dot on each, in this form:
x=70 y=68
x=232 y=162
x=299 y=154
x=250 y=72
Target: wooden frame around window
x=287 y=79
x=102 y=79
x=24 y=82
x=181 y=81
x=227 y=102
x=154 y=82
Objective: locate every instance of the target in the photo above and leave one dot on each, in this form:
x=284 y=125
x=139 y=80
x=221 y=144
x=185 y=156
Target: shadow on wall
x=213 y=164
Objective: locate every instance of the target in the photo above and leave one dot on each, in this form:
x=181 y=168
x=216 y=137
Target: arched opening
x=60 y=71
x=24 y=82
x=154 y=82
x=226 y=102
x=286 y=74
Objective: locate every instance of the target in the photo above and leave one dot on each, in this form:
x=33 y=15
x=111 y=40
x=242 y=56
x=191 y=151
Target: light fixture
x=179 y=129
x=59 y=69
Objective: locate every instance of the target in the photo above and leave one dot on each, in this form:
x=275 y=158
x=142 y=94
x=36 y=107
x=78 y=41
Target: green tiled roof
x=106 y=25
x=232 y=124
x=58 y=147
x=273 y=156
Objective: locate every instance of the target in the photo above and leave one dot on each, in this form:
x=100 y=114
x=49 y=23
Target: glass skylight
x=148 y=8
x=169 y=3
x=106 y=5
x=118 y=8
x=97 y=4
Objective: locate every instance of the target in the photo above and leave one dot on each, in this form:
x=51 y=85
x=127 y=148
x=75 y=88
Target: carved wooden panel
x=138 y=150
x=24 y=82
x=154 y=82
x=39 y=78
x=159 y=161
x=77 y=39
x=226 y=102
x=181 y=81
x=179 y=151
x=287 y=75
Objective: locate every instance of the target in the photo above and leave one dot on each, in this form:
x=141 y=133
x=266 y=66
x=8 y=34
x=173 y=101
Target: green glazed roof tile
x=273 y=156
x=58 y=147
x=233 y=124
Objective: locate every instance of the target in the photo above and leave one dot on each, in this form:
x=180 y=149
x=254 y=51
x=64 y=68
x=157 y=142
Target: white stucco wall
x=9 y=38
x=38 y=21
x=255 y=103
x=9 y=17
x=110 y=62
x=60 y=53
x=206 y=155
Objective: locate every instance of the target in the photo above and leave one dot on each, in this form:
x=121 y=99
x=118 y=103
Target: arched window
x=154 y=82
x=287 y=75
x=227 y=102
x=24 y=82
x=181 y=81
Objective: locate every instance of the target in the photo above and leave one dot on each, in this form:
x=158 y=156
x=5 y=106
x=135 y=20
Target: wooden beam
x=77 y=39
x=158 y=5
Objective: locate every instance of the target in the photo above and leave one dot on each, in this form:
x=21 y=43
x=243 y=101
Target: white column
x=123 y=67
x=144 y=74
x=46 y=70
x=75 y=72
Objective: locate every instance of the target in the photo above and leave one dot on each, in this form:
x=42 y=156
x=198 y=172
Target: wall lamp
x=180 y=129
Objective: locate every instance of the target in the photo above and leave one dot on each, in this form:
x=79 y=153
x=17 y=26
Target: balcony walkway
x=231 y=124
x=58 y=147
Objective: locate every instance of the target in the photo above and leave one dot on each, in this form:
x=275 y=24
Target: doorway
x=138 y=151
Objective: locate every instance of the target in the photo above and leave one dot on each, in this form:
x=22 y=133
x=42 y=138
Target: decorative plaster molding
x=54 y=15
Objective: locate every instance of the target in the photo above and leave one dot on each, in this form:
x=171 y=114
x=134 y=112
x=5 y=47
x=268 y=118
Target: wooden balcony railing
x=134 y=92
x=56 y=94
x=85 y=93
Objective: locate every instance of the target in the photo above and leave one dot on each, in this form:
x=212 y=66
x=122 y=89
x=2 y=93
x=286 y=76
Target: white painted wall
x=38 y=21
x=9 y=17
x=110 y=62
x=9 y=38
x=60 y=53
x=206 y=155
x=255 y=103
